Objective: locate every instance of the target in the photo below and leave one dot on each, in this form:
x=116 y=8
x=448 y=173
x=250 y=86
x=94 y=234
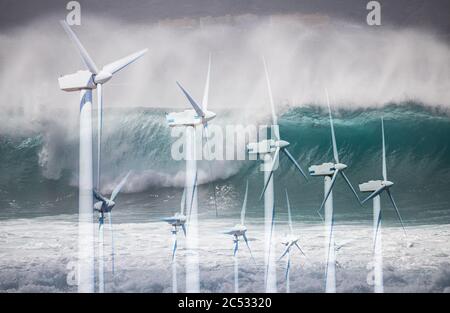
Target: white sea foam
x=34 y=254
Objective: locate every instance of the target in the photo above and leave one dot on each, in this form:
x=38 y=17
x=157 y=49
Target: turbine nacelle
x=77 y=81
x=371 y=185
x=102 y=77
x=324 y=169
x=104 y=206
x=176 y=220
x=237 y=230
x=266 y=146
x=261 y=147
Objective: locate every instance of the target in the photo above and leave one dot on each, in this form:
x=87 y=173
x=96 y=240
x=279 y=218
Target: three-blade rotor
x=385 y=186
x=280 y=145
x=338 y=167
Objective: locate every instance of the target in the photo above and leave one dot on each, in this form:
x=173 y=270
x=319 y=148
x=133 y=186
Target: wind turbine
x=177 y=220
x=269 y=150
x=289 y=242
x=239 y=230
x=376 y=187
x=190 y=119
x=85 y=81
x=330 y=172
x=105 y=205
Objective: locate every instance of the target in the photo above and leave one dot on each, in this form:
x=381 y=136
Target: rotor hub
x=340 y=166
x=282 y=143
x=102 y=77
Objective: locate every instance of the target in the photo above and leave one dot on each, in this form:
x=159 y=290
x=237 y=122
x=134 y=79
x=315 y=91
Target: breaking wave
x=418 y=156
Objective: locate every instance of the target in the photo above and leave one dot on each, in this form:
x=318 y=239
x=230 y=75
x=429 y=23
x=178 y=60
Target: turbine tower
x=190 y=119
x=105 y=206
x=289 y=242
x=177 y=220
x=239 y=230
x=269 y=151
x=85 y=81
x=330 y=172
x=376 y=187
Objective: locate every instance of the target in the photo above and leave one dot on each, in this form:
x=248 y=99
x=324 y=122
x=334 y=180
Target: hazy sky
x=430 y=14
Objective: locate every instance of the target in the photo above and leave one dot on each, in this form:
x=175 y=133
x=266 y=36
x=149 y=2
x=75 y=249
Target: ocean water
x=418 y=162
x=38 y=241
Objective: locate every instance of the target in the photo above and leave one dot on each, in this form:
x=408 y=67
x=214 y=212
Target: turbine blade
x=265 y=185
x=286 y=276
x=333 y=137
x=384 y=151
x=289 y=211
x=174 y=249
x=272 y=166
x=321 y=217
x=100 y=221
x=298 y=247
x=244 y=205
x=272 y=105
x=99 y=129
x=99 y=196
x=183 y=201
x=192 y=102
x=329 y=247
x=373 y=194
x=236 y=247
x=119 y=186
x=194 y=187
x=376 y=232
x=248 y=246
x=289 y=155
x=396 y=210
x=333 y=180
x=205 y=130
x=87 y=60
x=286 y=250
x=351 y=186
x=184 y=229
x=112 y=241
x=270 y=242
x=116 y=66
x=206 y=90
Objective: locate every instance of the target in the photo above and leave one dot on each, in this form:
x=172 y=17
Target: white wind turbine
x=377 y=187
x=269 y=151
x=190 y=119
x=330 y=172
x=105 y=206
x=176 y=221
x=289 y=242
x=239 y=230
x=85 y=81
